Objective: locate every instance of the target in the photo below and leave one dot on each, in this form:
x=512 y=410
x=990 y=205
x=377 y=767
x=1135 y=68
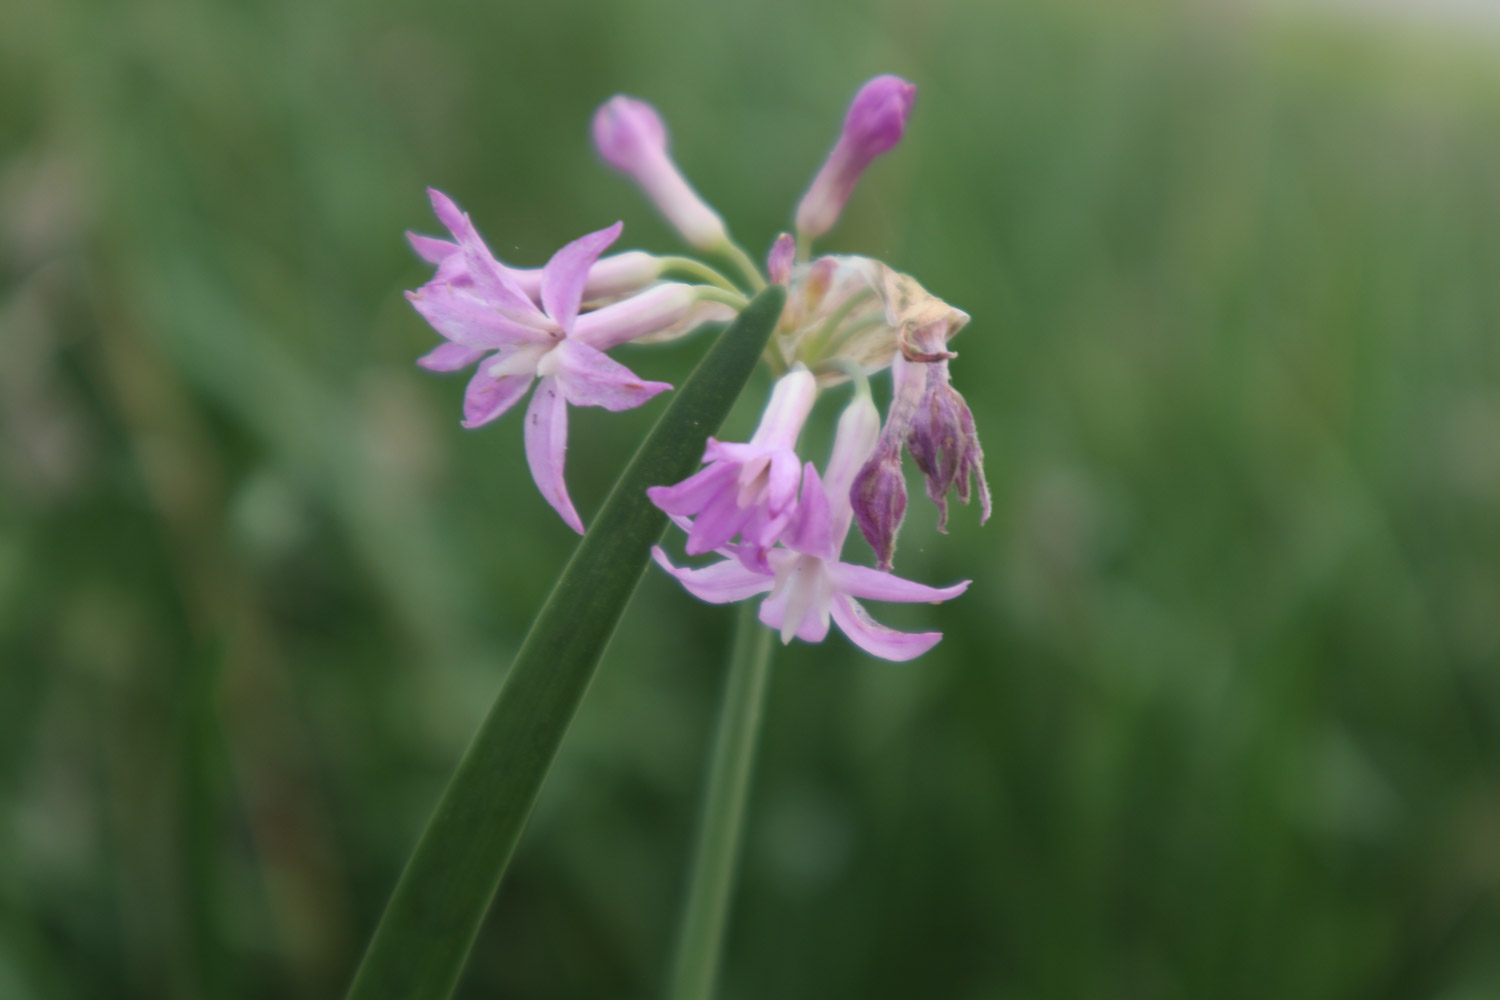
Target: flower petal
x=465 y=318
x=720 y=520
x=489 y=275
x=872 y=584
x=431 y=249
x=719 y=583
x=546 y=446
x=591 y=378
x=568 y=271
x=488 y=396
x=810 y=529
x=877 y=639
x=450 y=357
x=800 y=605
x=690 y=495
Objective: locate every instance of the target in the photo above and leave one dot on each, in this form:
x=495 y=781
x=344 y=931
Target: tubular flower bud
x=631 y=137
x=779 y=261
x=875 y=122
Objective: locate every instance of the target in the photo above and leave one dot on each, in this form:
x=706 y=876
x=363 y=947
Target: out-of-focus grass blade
x=429 y=925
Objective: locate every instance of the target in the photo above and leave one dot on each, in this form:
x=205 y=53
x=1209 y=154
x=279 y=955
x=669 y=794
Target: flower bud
x=879 y=499
x=779 y=261
x=629 y=134
x=874 y=125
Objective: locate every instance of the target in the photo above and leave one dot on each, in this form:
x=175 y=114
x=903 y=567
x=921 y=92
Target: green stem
x=690 y=268
x=736 y=299
x=736 y=255
x=705 y=911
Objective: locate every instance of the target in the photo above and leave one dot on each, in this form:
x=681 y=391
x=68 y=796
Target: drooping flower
x=933 y=421
x=631 y=137
x=806 y=583
x=875 y=123
x=747 y=489
x=475 y=302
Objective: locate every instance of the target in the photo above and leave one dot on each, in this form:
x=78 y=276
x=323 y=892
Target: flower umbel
x=779 y=524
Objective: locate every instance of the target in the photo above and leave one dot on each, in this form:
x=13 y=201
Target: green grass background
x=1220 y=716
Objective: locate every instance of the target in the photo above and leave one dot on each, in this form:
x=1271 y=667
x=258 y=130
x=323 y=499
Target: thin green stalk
x=736 y=255
x=735 y=299
x=423 y=940
x=705 y=910
x=687 y=267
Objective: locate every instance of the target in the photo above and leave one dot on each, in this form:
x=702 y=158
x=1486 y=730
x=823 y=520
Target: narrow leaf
x=430 y=923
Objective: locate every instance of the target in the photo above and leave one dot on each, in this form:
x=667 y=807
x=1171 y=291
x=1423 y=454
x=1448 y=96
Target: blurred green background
x=1220 y=716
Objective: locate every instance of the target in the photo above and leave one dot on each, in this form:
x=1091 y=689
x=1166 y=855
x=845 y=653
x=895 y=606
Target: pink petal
x=720 y=520
x=487 y=396
x=489 y=274
x=568 y=271
x=450 y=357
x=872 y=584
x=810 y=530
x=798 y=607
x=720 y=583
x=430 y=248
x=591 y=378
x=877 y=639
x=690 y=495
x=465 y=318
x=546 y=446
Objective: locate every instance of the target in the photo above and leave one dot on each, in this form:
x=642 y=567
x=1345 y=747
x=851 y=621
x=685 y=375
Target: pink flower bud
x=629 y=134
x=874 y=125
x=779 y=261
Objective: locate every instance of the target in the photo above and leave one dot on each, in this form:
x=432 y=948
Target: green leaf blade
x=423 y=940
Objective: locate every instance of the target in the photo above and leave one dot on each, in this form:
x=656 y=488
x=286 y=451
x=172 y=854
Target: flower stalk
x=710 y=890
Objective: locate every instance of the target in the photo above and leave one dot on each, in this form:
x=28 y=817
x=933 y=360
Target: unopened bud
x=875 y=123
x=629 y=134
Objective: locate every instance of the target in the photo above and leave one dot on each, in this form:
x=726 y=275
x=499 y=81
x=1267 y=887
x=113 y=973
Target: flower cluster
x=778 y=523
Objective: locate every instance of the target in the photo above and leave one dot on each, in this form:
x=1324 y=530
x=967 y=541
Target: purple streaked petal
x=431 y=249
x=592 y=378
x=877 y=639
x=450 y=357
x=465 y=318
x=546 y=447
x=722 y=582
x=488 y=396
x=568 y=271
x=489 y=275
x=872 y=584
x=690 y=495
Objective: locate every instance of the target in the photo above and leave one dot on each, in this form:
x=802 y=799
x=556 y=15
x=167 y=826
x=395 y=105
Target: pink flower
x=476 y=303
x=875 y=123
x=747 y=489
x=806 y=583
x=631 y=137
